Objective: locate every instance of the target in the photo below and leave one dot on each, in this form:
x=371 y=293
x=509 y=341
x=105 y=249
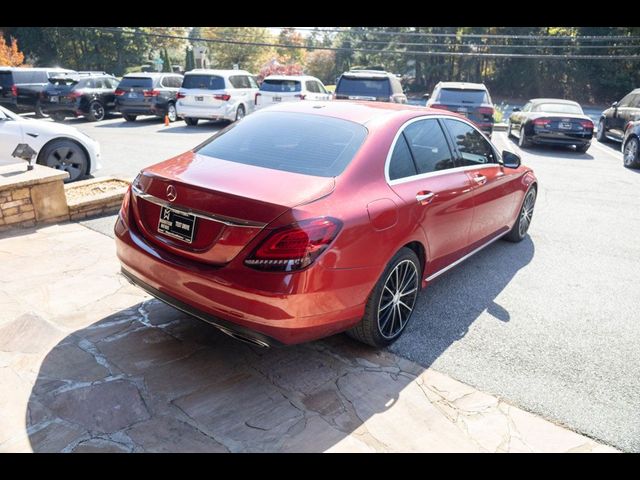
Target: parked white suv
x=290 y=88
x=216 y=95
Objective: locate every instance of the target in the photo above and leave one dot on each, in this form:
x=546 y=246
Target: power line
x=382 y=52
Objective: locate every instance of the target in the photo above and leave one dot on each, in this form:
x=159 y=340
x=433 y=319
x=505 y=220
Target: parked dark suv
x=469 y=99
x=148 y=94
x=86 y=94
x=613 y=121
x=20 y=88
x=375 y=85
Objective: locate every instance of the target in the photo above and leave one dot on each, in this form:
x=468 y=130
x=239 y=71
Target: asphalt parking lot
x=550 y=324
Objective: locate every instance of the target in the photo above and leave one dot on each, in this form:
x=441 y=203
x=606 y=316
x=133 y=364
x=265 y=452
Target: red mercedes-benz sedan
x=311 y=218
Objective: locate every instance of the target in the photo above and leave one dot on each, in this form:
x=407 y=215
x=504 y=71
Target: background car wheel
x=600 y=136
x=240 y=113
x=58 y=116
x=171 y=112
x=391 y=302
x=509 y=132
x=191 y=121
x=65 y=155
x=523 y=141
x=630 y=153
x=96 y=112
x=582 y=148
x=130 y=118
x=520 y=228
x=39 y=112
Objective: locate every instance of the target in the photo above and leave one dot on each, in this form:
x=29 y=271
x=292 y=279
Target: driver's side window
x=527 y=107
x=625 y=101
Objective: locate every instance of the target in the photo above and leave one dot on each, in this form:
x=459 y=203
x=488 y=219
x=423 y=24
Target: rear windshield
x=557 y=108
x=6 y=80
x=26 y=76
x=136 y=82
x=280 y=86
x=371 y=87
x=206 y=82
x=457 y=95
x=292 y=142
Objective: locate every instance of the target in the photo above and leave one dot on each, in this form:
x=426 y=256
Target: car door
x=494 y=194
x=620 y=116
x=439 y=197
x=518 y=118
x=108 y=95
x=10 y=137
x=254 y=88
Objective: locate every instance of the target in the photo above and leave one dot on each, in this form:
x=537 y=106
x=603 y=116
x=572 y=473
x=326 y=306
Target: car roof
x=357 y=111
x=553 y=100
x=463 y=85
x=367 y=73
x=290 y=77
x=150 y=74
x=221 y=72
x=36 y=69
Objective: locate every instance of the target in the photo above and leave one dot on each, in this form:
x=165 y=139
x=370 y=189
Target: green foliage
x=166 y=65
x=189 y=61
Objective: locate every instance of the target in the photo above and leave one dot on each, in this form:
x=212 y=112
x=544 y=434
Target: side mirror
x=510 y=159
x=516 y=109
x=614 y=105
x=426 y=96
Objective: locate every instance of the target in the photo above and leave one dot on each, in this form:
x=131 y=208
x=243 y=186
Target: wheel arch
x=84 y=150
x=419 y=249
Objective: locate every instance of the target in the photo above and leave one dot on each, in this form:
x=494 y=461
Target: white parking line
x=601 y=148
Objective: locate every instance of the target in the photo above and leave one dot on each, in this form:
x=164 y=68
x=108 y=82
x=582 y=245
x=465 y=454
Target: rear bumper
x=225 y=112
x=552 y=138
x=142 y=110
x=312 y=304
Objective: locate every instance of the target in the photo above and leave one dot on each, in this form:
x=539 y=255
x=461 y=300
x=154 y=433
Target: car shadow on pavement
x=152 y=379
x=140 y=121
x=180 y=127
x=560 y=152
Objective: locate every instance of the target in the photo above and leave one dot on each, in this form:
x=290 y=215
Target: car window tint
x=97 y=83
x=626 y=100
x=311 y=86
x=373 y=87
x=293 y=142
x=6 y=79
x=473 y=146
x=401 y=164
x=462 y=95
x=429 y=146
x=239 y=81
x=273 y=85
x=136 y=82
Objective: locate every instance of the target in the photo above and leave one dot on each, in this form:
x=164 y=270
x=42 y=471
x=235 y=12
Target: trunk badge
x=172 y=194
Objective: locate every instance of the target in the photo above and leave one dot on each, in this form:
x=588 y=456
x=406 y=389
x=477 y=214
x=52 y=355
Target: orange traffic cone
x=166 y=120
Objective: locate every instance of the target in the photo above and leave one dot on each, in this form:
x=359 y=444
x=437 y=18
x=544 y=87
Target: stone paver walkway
x=89 y=363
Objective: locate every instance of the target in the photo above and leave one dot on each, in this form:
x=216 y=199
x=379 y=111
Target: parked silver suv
x=216 y=95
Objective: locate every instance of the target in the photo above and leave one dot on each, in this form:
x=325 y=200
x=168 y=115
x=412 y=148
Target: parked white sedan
x=57 y=146
x=290 y=88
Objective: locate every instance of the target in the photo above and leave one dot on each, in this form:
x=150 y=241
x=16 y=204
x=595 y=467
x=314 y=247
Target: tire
x=192 y=122
x=509 y=133
x=58 y=116
x=65 y=155
x=172 y=112
x=520 y=228
x=378 y=326
x=130 y=118
x=240 y=113
x=630 y=153
x=96 y=112
x=38 y=109
x=583 y=148
x=600 y=136
x=523 y=141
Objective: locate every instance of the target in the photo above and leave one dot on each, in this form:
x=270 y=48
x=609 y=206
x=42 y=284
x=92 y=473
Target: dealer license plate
x=177 y=224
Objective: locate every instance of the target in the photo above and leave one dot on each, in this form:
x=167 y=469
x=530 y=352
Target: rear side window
x=21 y=76
x=401 y=164
x=86 y=83
x=281 y=86
x=473 y=146
x=239 y=81
x=136 y=82
x=429 y=146
x=460 y=95
x=6 y=79
x=172 y=82
x=370 y=87
x=396 y=85
x=205 y=82
x=292 y=142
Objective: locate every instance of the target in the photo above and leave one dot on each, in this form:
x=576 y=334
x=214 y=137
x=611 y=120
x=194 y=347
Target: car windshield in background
x=459 y=95
x=280 y=86
x=135 y=82
x=373 y=87
x=292 y=142
x=558 y=108
x=204 y=82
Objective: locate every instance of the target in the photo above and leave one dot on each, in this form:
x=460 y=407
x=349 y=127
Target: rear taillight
x=296 y=246
x=76 y=94
x=224 y=97
x=151 y=93
x=255 y=99
x=180 y=95
x=440 y=106
x=300 y=96
x=14 y=90
x=119 y=92
x=542 y=122
x=486 y=111
x=586 y=124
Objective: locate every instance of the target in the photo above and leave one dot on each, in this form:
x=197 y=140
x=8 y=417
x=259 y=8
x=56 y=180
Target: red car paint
x=377 y=219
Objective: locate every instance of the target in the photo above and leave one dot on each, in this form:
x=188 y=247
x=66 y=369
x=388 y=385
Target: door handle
x=425 y=198
x=480 y=179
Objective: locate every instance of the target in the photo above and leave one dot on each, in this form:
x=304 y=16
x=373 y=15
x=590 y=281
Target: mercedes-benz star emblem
x=171 y=193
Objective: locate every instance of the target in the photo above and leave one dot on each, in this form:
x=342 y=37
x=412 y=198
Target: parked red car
x=308 y=219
